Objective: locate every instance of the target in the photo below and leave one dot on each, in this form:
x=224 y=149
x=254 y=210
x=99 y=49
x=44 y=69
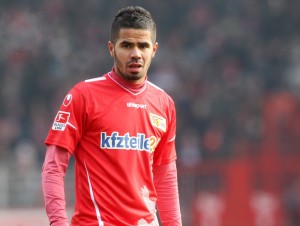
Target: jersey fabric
x=116 y=135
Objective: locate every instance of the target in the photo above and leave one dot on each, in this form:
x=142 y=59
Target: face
x=132 y=53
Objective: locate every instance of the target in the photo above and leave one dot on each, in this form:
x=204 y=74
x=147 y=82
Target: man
x=121 y=130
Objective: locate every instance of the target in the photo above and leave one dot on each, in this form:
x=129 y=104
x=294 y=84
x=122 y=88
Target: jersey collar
x=134 y=88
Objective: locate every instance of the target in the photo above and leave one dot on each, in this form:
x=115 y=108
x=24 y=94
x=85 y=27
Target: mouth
x=134 y=66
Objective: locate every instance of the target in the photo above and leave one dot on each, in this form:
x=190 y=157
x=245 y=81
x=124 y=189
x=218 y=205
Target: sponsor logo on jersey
x=61 y=120
x=126 y=142
x=158 y=121
x=135 y=105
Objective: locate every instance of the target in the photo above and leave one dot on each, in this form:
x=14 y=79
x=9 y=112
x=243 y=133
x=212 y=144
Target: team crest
x=158 y=122
x=61 y=121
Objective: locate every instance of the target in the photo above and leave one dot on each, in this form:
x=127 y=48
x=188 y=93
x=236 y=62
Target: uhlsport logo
x=126 y=142
x=67 y=100
x=137 y=106
x=61 y=120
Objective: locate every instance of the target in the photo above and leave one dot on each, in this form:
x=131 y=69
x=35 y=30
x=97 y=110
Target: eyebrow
x=130 y=43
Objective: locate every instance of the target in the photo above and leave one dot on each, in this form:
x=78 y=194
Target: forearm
x=165 y=180
x=53 y=172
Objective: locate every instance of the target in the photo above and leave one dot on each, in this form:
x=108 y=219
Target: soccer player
x=121 y=129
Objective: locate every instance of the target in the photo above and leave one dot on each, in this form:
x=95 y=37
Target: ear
x=111 y=48
x=155 y=47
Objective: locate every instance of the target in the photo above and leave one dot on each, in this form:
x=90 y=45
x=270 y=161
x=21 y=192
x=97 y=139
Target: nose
x=135 y=53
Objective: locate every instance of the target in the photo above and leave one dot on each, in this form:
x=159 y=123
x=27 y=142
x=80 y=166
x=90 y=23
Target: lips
x=134 y=65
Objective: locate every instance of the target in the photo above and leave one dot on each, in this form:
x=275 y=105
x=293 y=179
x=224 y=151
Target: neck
x=133 y=87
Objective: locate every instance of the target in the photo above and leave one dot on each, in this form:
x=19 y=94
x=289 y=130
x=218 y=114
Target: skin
x=133 y=52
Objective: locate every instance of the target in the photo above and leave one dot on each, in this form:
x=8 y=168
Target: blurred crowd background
x=232 y=68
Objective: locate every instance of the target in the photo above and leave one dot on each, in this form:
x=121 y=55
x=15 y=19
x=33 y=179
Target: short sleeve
x=165 y=151
x=67 y=127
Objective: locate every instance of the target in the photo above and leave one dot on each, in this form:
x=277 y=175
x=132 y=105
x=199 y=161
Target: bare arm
x=53 y=172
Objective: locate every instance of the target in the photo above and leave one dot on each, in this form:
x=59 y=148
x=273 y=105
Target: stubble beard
x=132 y=77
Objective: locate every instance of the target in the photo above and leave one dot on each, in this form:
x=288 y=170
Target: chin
x=134 y=77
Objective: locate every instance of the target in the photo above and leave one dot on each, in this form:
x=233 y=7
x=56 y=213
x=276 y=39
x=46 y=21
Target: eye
x=143 y=45
x=126 y=45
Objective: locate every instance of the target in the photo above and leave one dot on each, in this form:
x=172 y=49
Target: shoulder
x=88 y=84
x=95 y=80
x=159 y=92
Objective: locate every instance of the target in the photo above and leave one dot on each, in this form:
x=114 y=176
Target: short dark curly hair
x=134 y=17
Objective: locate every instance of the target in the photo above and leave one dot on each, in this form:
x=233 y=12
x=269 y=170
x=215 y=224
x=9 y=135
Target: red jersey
x=116 y=136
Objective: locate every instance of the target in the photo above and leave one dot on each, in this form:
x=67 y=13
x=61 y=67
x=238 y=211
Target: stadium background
x=232 y=67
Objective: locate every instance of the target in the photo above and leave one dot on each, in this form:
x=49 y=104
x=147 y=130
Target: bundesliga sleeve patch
x=61 y=121
x=158 y=122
